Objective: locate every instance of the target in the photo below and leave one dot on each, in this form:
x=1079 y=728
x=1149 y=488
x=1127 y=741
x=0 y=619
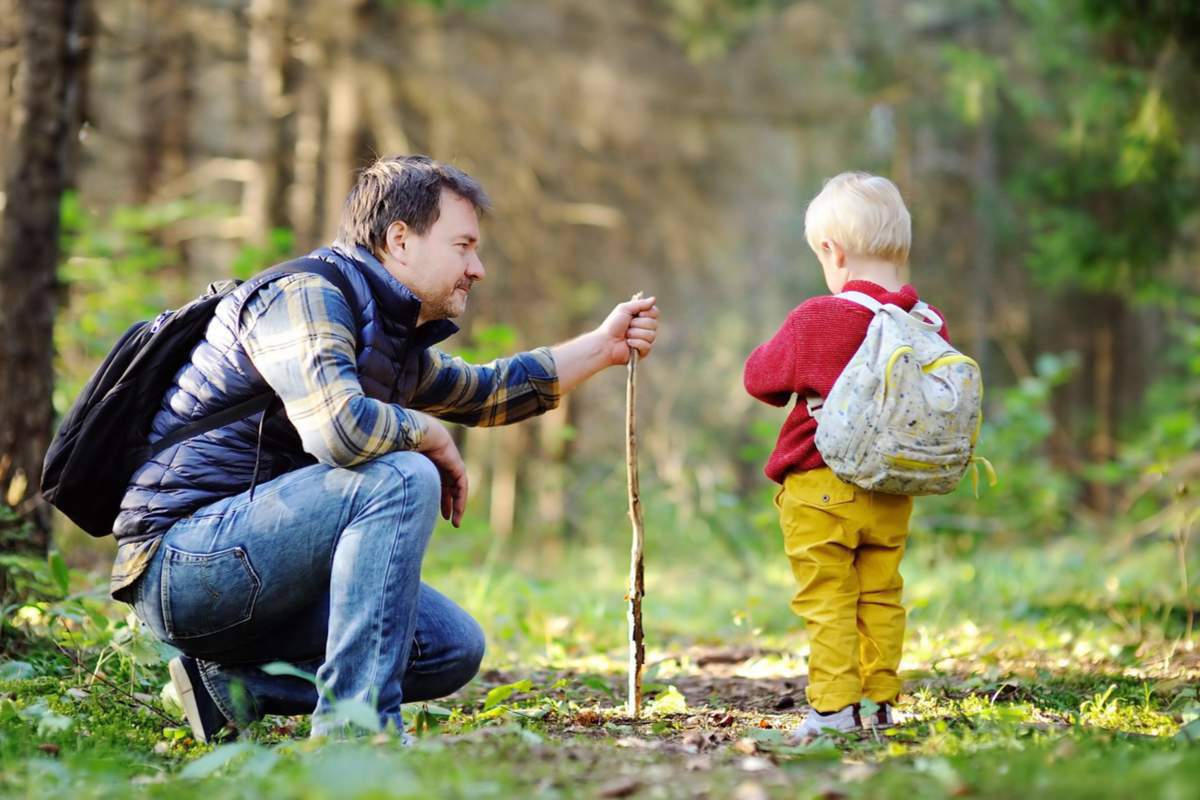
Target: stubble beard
x=448 y=307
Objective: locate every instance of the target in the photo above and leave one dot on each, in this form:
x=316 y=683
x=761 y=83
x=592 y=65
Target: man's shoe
x=847 y=720
x=198 y=706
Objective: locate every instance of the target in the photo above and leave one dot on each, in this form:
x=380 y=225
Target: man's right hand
x=438 y=446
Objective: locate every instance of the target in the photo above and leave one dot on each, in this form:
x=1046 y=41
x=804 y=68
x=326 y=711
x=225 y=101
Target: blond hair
x=863 y=213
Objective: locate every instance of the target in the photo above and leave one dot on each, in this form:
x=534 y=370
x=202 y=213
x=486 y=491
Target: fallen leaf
x=621 y=787
x=750 y=791
x=855 y=773
x=754 y=764
x=746 y=746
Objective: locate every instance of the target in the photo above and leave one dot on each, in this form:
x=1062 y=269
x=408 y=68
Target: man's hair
x=863 y=213
x=404 y=188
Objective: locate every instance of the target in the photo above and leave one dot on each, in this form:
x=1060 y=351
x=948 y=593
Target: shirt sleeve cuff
x=546 y=385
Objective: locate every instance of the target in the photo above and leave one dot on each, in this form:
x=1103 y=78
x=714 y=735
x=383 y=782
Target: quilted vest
x=219 y=464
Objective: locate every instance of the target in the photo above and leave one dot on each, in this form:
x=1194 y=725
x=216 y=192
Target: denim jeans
x=322 y=569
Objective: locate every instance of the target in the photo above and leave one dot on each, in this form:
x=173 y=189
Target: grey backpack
x=904 y=415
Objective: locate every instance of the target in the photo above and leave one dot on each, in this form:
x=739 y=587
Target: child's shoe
x=883 y=718
x=847 y=720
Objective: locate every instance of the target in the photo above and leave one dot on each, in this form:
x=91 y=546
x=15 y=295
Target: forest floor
x=1050 y=698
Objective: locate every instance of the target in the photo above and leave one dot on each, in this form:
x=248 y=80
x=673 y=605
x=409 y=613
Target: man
x=297 y=534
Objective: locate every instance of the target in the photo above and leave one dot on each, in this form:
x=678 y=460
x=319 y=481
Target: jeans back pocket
x=206 y=593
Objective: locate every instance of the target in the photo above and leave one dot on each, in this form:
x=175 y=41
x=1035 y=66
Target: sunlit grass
x=1053 y=670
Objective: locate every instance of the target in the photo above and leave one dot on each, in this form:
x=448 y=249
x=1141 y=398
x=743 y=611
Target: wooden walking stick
x=637 y=650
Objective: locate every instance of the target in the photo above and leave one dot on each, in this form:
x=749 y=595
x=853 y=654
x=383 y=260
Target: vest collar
x=397 y=302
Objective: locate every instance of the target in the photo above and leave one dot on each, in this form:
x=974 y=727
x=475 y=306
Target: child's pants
x=845 y=546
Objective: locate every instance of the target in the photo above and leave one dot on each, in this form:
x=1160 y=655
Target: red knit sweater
x=812 y=347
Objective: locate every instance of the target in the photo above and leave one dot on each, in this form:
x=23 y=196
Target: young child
x=844 y=543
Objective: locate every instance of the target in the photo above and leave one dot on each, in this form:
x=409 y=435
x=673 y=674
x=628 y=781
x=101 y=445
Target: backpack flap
x=903 y=416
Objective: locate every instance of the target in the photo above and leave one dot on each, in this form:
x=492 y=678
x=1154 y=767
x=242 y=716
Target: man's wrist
x=419 y=429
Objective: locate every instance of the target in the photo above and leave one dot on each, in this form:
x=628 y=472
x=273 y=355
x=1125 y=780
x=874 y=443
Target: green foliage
x=1099 y=175
x=117 y=272
x=1034 y=497
x=710 y=28
x=251 y=259
x=489 y=342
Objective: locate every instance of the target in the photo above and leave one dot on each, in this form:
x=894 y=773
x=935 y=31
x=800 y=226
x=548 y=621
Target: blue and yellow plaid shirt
x=299 y=333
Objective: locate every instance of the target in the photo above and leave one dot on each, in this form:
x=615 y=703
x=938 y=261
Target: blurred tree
x=55 y=39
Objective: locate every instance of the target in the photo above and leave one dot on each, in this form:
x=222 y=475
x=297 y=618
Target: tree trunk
x=267 y=62
x=345 y=113
x=9 y=57
x=303 y=199
x=54 y=51
x=165 y=99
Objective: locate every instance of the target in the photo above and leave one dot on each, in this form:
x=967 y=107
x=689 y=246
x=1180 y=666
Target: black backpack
x=103 y=438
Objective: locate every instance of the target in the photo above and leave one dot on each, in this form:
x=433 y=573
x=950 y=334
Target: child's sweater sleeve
x=769 y=374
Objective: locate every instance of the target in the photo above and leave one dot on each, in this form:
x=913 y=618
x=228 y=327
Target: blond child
x=844 y=543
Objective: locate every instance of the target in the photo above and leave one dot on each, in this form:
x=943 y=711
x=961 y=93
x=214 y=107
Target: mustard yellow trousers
x=845 y=546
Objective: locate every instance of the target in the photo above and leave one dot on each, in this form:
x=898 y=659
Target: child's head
x=858 y=221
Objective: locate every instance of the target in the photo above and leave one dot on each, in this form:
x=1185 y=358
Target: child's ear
x=835 y=251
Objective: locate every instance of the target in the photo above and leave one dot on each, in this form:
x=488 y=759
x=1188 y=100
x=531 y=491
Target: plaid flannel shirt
x=299 y=333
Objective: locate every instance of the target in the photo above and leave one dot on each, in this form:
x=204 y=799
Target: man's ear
x=395 y=241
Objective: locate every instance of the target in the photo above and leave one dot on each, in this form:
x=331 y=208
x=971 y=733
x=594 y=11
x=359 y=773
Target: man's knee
x=466 y=653
x=474 y=646
x=407 y=472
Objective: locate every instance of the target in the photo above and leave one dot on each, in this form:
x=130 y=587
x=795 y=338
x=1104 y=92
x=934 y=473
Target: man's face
x=441 y=266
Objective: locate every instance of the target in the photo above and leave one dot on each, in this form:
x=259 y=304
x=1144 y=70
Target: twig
x=126 y=694
x=637 y=587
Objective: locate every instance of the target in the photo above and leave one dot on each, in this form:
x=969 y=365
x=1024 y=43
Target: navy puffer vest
x=220 y=463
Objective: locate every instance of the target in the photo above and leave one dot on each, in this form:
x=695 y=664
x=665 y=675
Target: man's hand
x=631 y=325
x=439 y=447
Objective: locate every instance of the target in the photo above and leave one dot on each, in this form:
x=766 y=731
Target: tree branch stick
x=637 y=649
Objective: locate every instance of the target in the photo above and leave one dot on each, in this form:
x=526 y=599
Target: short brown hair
x=404 y=188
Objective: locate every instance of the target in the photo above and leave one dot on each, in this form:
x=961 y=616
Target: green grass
x=1059 y=670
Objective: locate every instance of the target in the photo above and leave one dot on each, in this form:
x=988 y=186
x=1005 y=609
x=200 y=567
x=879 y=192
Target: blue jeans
x=322 y=569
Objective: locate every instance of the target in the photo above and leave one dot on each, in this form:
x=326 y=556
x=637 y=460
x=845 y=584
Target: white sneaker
x=816 y=724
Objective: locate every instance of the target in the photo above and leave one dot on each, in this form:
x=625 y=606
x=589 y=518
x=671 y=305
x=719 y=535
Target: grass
x=1057 y=670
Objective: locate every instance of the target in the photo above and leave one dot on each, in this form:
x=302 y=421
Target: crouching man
x=297 y=534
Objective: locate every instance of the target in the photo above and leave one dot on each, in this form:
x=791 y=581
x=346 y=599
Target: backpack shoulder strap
x=864 y=300
x=927 y=315
x=815 y=401
x=262 y=401
x=316 y=266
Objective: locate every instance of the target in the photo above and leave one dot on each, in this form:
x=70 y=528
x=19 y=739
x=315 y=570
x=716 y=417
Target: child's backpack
x=103 y=438
x=904 y=415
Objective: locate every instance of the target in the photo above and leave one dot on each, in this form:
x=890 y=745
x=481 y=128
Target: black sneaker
x=202 y=713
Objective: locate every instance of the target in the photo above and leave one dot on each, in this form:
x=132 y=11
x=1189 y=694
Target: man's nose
x=475 y=270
